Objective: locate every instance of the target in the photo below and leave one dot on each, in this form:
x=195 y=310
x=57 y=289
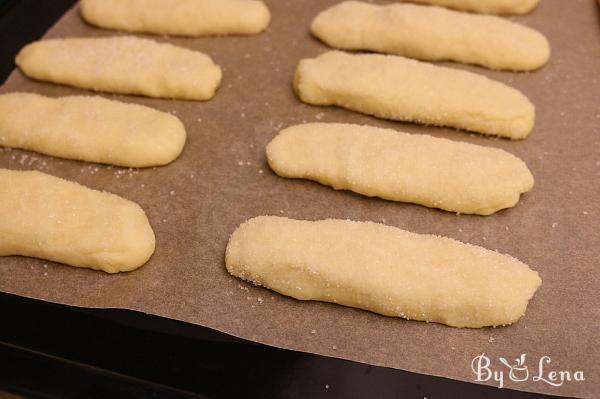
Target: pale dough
x=432 y=33
x=126 y=65
x=426 y=170
x=50 y=218
x=514 y=7
x=399 y=88
x=382 y=269
x=90 y=129
x=179 y=17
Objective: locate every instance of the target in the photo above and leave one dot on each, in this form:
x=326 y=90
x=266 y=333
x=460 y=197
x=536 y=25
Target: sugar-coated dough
x=50 y=218
x=126 y=65
x=179 y=17
x=511 y=7
x=382 y=269
x=90 y=129
x=399 y=88
x=432 y=33
x=422 y=169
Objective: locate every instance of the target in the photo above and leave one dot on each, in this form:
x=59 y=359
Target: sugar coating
x=50 y=218
x=399 y=88
x=432 y=33
x=382 y=269
x=512 y=7
x=126 y=65
x=90 y=129
x=179 y=17
x=435 y=172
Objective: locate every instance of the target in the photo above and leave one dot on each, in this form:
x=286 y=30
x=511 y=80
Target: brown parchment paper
x=222 y=179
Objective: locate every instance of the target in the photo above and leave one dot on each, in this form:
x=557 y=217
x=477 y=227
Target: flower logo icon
x=519 y=371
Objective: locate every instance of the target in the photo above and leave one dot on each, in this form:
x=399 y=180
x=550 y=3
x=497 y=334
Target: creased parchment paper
x=222 y=179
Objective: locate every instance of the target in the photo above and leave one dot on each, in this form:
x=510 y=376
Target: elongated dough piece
x=90 y=129
x=514 y=7
x=50 y=218
x=399 y=88
x=382 y=269
x=126 y=65
x=179 y=17
x=432 y=33
x=435 y=172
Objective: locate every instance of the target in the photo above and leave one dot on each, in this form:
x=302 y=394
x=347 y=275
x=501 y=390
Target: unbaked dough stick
x=435 y=172
x=90 y=129
x=126 y=65
x=432 y=33
x=50 y=218
x=514 y=7
x=382 y=269
x=179 y=17
x=399 y=88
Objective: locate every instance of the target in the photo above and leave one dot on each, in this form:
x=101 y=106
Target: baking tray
x=222 y=179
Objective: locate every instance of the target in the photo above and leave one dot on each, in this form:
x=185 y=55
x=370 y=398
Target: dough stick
x=50 y=218
x=126 y=65
x=435 y=172
x=514 y=7
x=90 y=129
x=433 y=34
x=398 y=88
x=382 y=269
x=179 y=17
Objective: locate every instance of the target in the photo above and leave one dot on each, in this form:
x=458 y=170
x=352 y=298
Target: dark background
x=54 y=351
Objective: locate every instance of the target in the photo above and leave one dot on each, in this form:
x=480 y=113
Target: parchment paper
x=222 y=179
